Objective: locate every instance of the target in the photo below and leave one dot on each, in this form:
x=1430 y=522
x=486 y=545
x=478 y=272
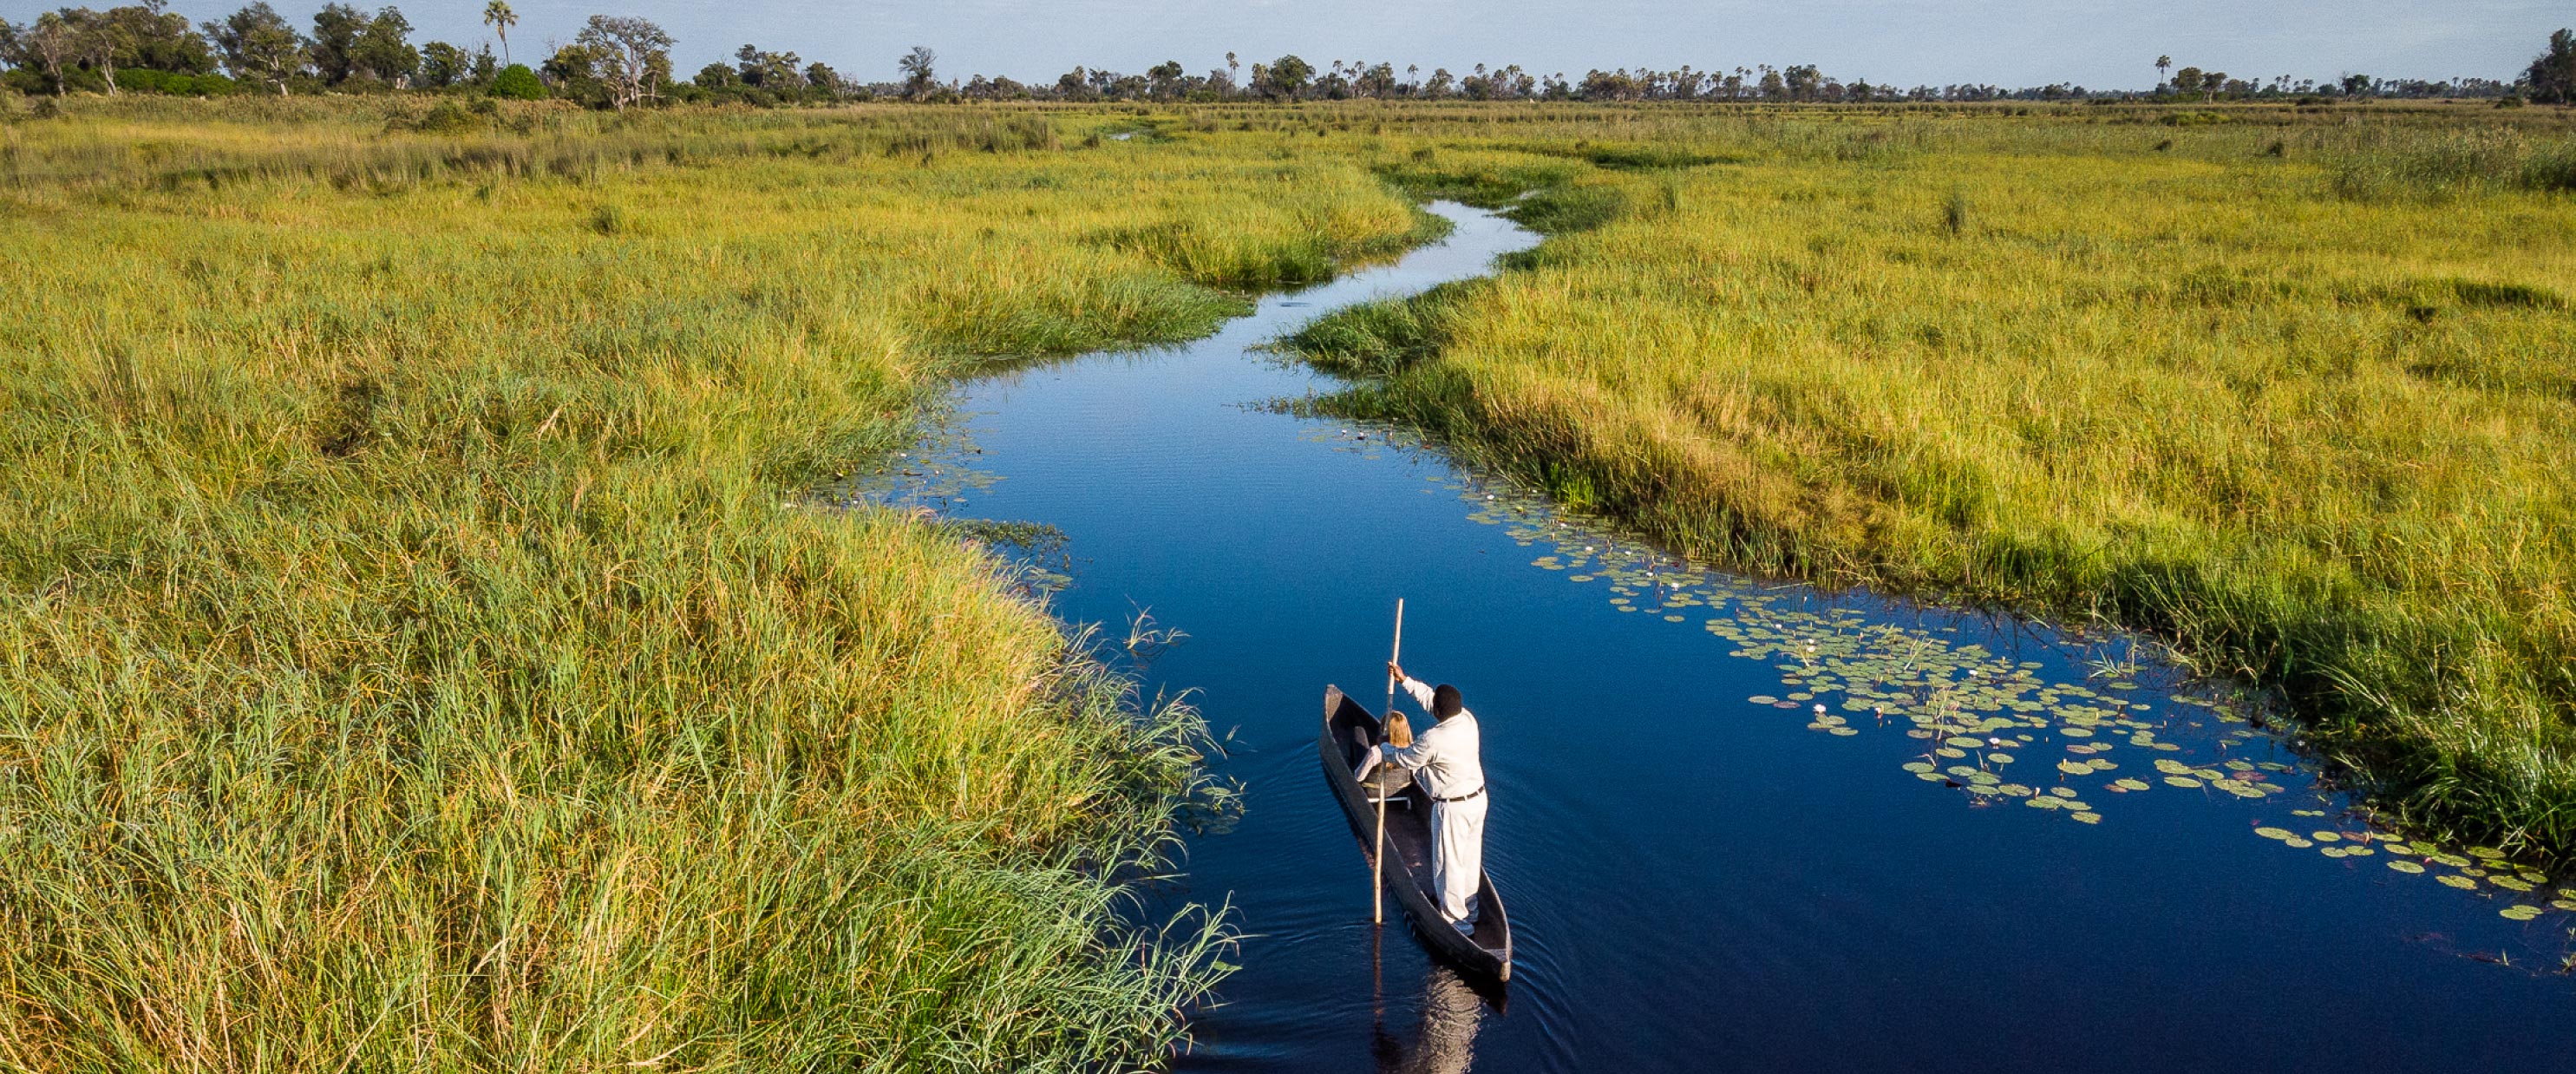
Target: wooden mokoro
x=1349 y=730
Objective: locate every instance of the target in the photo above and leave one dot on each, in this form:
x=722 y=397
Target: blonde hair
x=1399 y=732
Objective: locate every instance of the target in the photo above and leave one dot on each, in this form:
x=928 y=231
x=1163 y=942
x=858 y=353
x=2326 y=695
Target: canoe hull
x=1349 y=729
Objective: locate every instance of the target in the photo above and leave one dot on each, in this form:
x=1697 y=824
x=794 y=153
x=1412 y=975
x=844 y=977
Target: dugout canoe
x=1349 y=730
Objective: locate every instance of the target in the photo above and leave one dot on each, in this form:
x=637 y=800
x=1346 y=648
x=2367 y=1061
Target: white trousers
x=1458 y=839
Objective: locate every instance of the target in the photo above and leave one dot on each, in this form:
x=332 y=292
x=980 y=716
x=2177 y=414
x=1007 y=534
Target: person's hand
x=1397 y=670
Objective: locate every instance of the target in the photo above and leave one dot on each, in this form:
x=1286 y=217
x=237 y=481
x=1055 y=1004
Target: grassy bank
x=416 y=656
x=2291 y=389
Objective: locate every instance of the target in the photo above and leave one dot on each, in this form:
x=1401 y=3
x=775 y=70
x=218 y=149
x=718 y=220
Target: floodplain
x=425 y=648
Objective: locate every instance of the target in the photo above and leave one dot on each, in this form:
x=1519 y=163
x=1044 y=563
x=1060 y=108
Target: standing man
x=1447 y=759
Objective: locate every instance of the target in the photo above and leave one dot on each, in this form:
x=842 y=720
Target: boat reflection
x=1444 y=1041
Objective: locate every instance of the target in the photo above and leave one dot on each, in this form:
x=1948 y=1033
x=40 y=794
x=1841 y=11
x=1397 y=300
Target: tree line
x=625 y=62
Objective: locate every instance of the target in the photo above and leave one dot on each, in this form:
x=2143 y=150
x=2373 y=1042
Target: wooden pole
x=1377 y=862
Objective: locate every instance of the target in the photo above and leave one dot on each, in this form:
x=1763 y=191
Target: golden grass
x=417 y=656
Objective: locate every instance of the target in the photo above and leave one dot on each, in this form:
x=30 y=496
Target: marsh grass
x=418 y=652
x=2302 y=411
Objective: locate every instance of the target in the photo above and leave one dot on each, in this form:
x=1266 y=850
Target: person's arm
x=1369 y=761
x=1424 y=750
x=1414 y=688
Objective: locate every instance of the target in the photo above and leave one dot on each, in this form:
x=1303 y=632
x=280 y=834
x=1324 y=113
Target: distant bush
x=445 y=117
x=518 y=83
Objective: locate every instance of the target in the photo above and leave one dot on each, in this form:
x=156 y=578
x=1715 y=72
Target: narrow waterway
x=1997 y=848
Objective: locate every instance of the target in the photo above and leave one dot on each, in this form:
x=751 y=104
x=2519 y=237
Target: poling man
x=1447 y=760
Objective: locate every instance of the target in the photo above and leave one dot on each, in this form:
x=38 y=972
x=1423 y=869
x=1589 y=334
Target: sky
x=2096 y=43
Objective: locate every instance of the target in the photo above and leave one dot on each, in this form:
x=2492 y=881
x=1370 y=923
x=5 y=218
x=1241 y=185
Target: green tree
x=45 y=44
x=161 y=40
x=2552 y=76
x=335 y=33
x=443 y=65
x=2187 y=80
x=775 y=71
x=2163 y=64
x=518 y=83
x=383 y=50
x=1166 y=78
x=1804 y=80
x=630 y=55
x=1288 y=77
x=500 y=18
x=572 y=73
x=823 y=78
x=919 y=74
x=98 y=41
x=259 y=45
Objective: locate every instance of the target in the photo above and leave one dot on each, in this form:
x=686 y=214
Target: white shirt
x=1447 y=758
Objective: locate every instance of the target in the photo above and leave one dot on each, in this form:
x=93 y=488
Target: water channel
x=1998 y=848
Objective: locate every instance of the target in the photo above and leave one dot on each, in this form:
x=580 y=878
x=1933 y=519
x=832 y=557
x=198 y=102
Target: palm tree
x=2163 y=64
x=500 y=18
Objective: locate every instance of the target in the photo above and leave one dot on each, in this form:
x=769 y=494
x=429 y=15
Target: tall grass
x=417 y=654
x=2320 y=440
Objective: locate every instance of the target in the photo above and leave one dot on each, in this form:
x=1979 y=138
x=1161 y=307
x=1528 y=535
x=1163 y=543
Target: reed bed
x=419 y=653
x=2290 y=390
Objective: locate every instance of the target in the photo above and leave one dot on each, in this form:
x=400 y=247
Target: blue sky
x=2097 y=43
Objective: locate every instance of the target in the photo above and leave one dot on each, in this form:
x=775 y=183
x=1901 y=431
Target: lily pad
x=2404 y=866
x=2461 y=882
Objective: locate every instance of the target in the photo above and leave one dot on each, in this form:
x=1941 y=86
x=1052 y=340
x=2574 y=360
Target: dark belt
x=1477 y=793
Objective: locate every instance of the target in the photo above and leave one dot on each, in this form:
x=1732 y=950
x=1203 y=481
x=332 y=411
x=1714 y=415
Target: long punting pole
x=1377 y=862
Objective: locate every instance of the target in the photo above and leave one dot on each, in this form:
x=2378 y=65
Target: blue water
x=1698 y=881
